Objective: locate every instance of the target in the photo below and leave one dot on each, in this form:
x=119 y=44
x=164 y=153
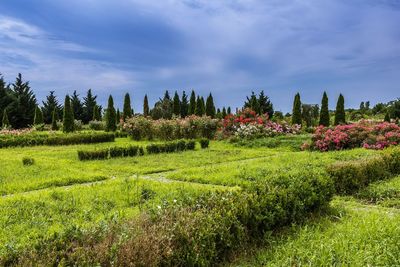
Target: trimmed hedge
x=55 y=140
x=204 y=143
x=171 y=147
x=111 y=152
x=351 y=176
x=26 y=161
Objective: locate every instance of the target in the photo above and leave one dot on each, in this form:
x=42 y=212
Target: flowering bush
x=363 y=134
x=249 y=125
x=16 y=132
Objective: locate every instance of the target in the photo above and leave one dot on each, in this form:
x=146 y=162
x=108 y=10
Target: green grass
x=384 y=193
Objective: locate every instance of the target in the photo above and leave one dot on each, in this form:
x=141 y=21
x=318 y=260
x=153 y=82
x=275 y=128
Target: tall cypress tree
x=176 y=105
x=296 y=115
x=199 y=107
x=68 y=116
x=38 y=119
x=49 y=106
x=192 y=103
x=111 y=125
x=340 y=115
x=54 y=119
x=228 y=111
x=324 y=114
x=184 y=105
x=88 y=105
x=127 y=111
x=96 y=113
x=118 y=116
x=146 y=110
x=210 y=107
x=224 y=112
x=77 y=106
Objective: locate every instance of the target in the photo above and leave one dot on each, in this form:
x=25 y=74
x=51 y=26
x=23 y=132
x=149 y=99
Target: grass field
x=59 y=193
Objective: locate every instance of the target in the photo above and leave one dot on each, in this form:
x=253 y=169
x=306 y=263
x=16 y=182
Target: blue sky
x=227 y=47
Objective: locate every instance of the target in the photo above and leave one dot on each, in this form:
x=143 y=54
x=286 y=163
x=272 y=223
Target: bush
x=111 y=152
x=170 y=147
x=28 y=161
x=190 y=145
x=204 y=143
x=97 y=125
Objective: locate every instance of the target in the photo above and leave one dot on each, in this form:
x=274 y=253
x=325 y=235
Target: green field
x=59 y=193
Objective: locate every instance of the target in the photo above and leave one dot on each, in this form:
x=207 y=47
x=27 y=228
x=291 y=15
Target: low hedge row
x=351 y=176
x=170 y=147
x=55 y=140
x=111 y=152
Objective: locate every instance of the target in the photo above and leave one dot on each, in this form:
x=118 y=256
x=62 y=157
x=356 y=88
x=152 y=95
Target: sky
x=227 y=47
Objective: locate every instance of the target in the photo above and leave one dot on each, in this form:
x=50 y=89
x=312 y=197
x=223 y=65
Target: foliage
x=26 y=161
x=210 y=107
x=296 y=114
x=89 y=102
x=204 y=143
x=324 y=119
x=127 y=111
x=184 y=105
x=192 y=103
x=146 y=111
x=77 y=107
x=97 y=125
x=38 y=119
x=54 y=119
x=49 y=105
x=170 y=147
x=176 y=105
x=68 y=116
x=111 y=124
x=260 y=105
x=340 y=114
x=111 y=152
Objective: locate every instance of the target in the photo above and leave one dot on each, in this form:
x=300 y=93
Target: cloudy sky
x=226 y=47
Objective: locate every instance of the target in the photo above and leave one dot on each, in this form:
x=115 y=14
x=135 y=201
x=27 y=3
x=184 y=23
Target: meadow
x=59 y=194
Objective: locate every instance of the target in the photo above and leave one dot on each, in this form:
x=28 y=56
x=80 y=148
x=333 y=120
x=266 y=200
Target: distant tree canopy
x=260 y=104
x=49 y=105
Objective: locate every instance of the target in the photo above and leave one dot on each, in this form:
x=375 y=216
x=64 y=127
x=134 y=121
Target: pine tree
x=192 y=103
x=265 y=105
x=224 y=112
x=49 y=106
x=176 y=105
x=324 y=119
x=54 y=119
x=199 y=107
x=111 y=125
x=340 y=115
x=5 y=97
x=146 y=111
x=96 y=113
x=252 y=103
x=21 y=111
x=38 y=119
x=296 y=114
x=88 y=105
x=127 y=111
x=228 y=111
x=210 y=107
x=77 y=106
x=184 y=105
x=68 y=116
x=387 y=117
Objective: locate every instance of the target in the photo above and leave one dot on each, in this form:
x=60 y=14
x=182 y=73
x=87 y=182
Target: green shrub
x=96 y=125
x=111 y=152
x=28 y=161
x=170 y=147
x=190 y=145
x=204 y=143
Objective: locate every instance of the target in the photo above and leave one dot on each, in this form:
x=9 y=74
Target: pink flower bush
x=363 y=134
x=16 y=132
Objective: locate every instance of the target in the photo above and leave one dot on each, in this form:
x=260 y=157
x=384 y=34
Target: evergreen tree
x=362 y=106
x=176 y=105
x=38 y=119
x=395 y=109
x=22 y=109
x=210 y=107
x=127 y=111
x=166 y=95
x=199 y=111
x=306 y=114
x=192 y=103
x=252 y=103
x=387 y=117
x=367 y=104
x=324 y=119
x=111 y=125
x=49 y=106
x=228 y=111
x=5 y=122
x=5 y=96
x=219 y=114
x=146 y=111
x=68 y=116
x=54 y=120
x=118 y=116
x=224 y=112
x=77 y=107
x=96 y=113
x=265 y=105
x=184 y=105
x=340 y=115
x=88 y=106
x=296 y=114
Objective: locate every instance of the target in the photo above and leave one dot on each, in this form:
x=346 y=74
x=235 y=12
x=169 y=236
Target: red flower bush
x=363 y=134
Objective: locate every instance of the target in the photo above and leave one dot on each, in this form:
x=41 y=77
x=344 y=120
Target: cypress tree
x=228 y=111
x=387 y=117
x=199 y=107
x=219 y=114
x=77 y=107
x=118 y=116
x=146 y=110
x=49 y=105
x=96 y=113
x=184 y=105
x=224 y=112
x=176 y=105
x=324 y=114
x=340 y=115
x=38 y=119
x=111 y=125
x=68 y=116
x=192 y=103
x=54 y=119
x=127 y=111
x=296 y=114
x=203 y=106
x=210 y=107
x=5 y=122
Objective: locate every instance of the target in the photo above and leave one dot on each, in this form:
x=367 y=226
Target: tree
x=228 y=111
x=88 y=106
x=367 y=104
x=340 y=115
x=5 y=122
x=387 y=117
x=118 y=116
x=176 y=105
x=184 y=105
x=146 y=110
x=192 y=103
x=199 y=111
x=362 y=106
x=324 y=119
x=38 y=119
x=77 y=106
x=49 y=106
x=223 y=112
x=54 y=119
x=265 y=105
x=162 y=108
x=96 y=113
x=127 y=111
x=111 y=125
x=5 y=96
x=210 y=107
x=68 y=116
x=296 y=114
x=22 y=109
x=252 y=103
x=306 y=114
x=395 y=109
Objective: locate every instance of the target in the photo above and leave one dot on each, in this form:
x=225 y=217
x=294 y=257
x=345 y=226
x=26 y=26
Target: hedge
x=111 y=152
x=351 y=176
x=204 y=143
x=170 y=147
x=55 y=140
